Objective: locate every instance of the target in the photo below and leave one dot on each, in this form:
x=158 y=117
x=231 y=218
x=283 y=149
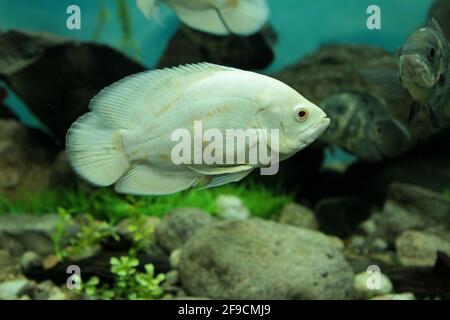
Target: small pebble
x=231 y=208
x=175 y=258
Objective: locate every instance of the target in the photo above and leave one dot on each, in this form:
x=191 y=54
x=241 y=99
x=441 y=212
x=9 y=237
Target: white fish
x=219 y=17
x=126 y=138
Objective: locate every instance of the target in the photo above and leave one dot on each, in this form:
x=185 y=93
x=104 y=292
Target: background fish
x=126 y=138
x=424 y=70
x=219 y=17
x=362 y=125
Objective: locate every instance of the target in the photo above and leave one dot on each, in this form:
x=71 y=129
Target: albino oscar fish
x=127 y=138
x=218 y=17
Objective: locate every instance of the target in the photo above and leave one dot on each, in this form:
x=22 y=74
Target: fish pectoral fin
x=413 y=111
x=225 y=179
x=433 y=118
x=210 y=171
x=144 y=180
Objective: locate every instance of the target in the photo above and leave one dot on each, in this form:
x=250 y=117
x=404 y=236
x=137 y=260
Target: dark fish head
x=362 y=125
x=424 y=60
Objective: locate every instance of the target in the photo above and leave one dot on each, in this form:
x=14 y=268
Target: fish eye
x=431 y=53
x=301 y=114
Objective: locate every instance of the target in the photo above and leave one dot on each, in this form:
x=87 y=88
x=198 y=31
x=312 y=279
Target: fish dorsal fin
x=121 y=103
x=432 y=22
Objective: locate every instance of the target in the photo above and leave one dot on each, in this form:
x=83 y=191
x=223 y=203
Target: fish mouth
x=316 y=130
x=414 y=68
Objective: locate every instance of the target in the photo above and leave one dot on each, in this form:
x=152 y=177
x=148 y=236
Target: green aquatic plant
x=106 y=204
x=129 y=283
x=61 y=231
x=90 y=235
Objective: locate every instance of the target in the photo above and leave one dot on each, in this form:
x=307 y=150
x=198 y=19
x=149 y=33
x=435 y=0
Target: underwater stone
x=175 y=257
x=9 y=267
x=418 y=249
x=11 y=289
x=28 y=161
x=410 y=207
x=300 y=216
x=179 y=225
x=248 y=53
x=259 y=259
x=27 y=232
x=231 y=208
x=341 y=216
x=57 y=77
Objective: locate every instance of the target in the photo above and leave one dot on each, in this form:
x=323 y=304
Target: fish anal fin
x=142 y=179
x=225 y=179
x=212 y=170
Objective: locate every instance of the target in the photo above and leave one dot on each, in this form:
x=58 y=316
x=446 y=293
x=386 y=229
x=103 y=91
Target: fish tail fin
x=148 y=7
x=247 y=17
x=95 y=151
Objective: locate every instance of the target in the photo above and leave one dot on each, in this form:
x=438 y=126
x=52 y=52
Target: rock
x=340 y=216
x=259 y=259
x=379 y=244
x=191 y=46
x=363 y=282
x=231 y=208
x=9 y=268
x=410 y=207
x=27 y=232
x=45 y=290
x=175 y=258
x=47 y=72
x=179 y=225
x=24 y=163
x=418 y=249
x=172 y=278
x=11 y=289
x=368 y=227
x=299 y=216
x=395 y=296
x=30 y=260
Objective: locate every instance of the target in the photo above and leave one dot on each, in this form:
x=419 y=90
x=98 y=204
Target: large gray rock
x=27 y=232
x=191 y=46
x=179 y=225
x=418 y=249
x=298 y=215
x=409 y=207
x=28 y=161
x=258 y=259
